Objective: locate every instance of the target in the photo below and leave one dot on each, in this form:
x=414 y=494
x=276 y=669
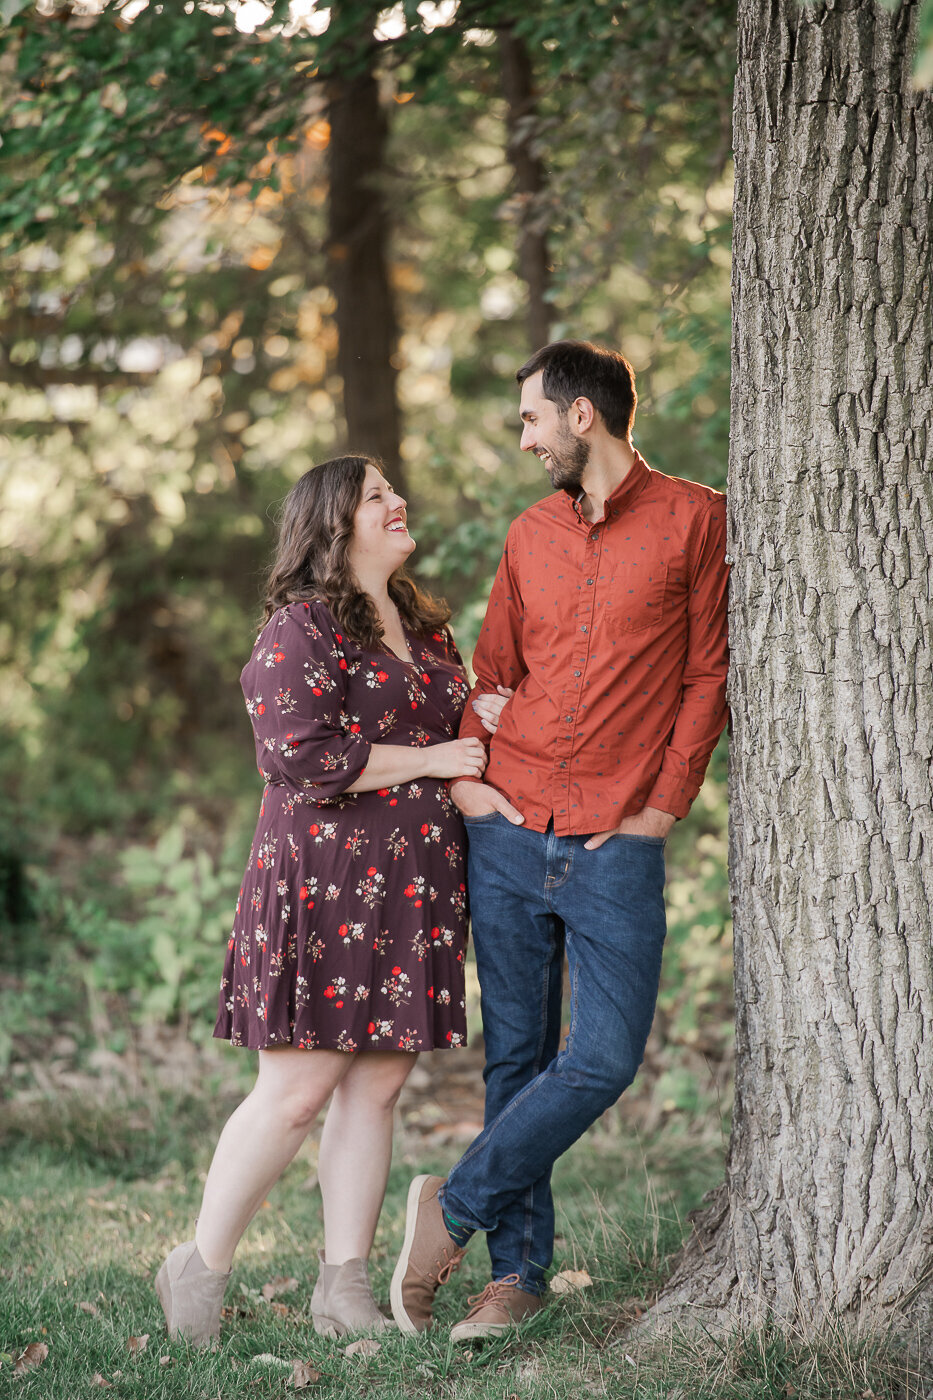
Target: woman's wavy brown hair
x=315 y=529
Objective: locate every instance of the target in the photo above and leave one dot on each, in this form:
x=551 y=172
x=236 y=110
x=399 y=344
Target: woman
x=346 y=956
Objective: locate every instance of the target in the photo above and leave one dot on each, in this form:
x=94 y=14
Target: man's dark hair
x=575 y=369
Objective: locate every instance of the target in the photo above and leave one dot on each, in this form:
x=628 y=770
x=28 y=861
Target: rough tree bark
x=529 y=182
x=358 y=239
x=827 y=1205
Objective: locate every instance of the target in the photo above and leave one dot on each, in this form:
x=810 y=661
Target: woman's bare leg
x=356 y=1151
x=260 y=1139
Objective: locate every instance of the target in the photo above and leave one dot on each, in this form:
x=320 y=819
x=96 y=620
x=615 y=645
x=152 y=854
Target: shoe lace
x=449 y=1264
x=493 y=1292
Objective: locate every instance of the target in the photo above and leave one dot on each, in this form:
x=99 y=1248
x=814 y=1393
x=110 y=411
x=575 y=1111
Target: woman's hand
x=461 y=758
x=489 y=707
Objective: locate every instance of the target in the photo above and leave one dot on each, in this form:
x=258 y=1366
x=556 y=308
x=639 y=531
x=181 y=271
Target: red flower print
x=260 y=709
x=435 y=933
x=431 y=993
x=354 y=729
x=426 y=678
x=338 y=1003
x=383 y=792
x=329 y=992
x=393 y=801
x=396 y=971
x=371 y=870
x=342 y=664
x=409 y=891
x=449 y=1034
x=303 y=892
x=414 y=704
x=371 y=1028
x=313 y=829
x=382 y=677
x=316 y=690
x=343 y=930
x=338 y=637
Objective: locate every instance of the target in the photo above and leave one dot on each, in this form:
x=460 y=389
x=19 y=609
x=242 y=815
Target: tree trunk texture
x=827 y=1206
x=358 y=239
x=529 y=183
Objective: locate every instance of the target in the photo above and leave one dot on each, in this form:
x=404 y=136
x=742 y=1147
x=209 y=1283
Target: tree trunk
x=358 y=238
x=533 y=263
x=827 y=1207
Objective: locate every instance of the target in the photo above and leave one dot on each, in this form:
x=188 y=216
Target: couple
x=601 y=673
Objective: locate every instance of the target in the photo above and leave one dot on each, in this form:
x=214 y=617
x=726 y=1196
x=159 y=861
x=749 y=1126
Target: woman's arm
x=390 y=764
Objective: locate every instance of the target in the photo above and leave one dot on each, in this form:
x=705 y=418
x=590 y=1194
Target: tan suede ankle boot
x=343 y=1301
x=191 y=1295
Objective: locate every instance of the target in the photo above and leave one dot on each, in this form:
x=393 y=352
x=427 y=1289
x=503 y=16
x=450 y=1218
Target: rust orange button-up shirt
x=613 y=635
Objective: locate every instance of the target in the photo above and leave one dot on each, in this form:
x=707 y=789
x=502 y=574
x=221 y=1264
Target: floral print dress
x=350 y=928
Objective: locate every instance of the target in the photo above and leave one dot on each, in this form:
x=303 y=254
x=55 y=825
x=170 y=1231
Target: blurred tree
x=529 y=181
x=827 y=1207
x=358 y=252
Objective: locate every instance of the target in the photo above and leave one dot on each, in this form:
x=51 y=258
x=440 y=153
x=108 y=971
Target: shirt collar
x=624 y=493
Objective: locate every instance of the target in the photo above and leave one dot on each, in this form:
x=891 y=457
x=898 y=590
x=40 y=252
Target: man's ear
x=581 y=415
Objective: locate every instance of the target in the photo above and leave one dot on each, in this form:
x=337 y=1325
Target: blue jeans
x=532 y=894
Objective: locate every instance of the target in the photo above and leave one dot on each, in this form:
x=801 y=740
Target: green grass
x=82 y=1236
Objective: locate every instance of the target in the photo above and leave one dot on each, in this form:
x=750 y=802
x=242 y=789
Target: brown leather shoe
x=428 y=1258
x=500 y=1306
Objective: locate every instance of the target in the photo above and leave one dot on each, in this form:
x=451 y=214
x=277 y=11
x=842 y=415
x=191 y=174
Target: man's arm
x=497 y=661
x=703 y=711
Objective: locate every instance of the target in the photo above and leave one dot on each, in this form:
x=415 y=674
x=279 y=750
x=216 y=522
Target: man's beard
x=568 y=462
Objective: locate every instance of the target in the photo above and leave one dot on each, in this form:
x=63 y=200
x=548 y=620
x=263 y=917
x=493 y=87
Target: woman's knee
x=375 y=1081
x=296 y=1086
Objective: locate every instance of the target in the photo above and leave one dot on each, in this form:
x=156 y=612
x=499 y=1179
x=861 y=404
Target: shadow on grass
x=126 y=1137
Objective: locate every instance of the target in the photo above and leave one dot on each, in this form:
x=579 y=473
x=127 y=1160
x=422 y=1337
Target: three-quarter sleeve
x=295 y=686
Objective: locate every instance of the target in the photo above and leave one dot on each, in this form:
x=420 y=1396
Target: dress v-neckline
x=408 y=660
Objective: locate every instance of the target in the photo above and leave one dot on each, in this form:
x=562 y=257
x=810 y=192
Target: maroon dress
x=351 y=923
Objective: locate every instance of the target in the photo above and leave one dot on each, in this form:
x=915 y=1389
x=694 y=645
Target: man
x=607 y=619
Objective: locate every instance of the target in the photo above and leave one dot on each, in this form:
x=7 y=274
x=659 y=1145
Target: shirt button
x=583 y=628
x=562 y=765
x=590 y=582
x=578 y=674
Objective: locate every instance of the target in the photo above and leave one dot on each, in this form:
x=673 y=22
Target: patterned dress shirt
x=613 y=635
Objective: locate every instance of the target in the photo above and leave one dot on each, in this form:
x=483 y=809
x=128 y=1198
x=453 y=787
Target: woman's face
x=380 y=541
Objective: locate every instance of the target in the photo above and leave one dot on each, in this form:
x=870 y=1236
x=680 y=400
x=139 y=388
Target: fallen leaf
x=366 y=1346
x=118 y=1375
x=165 y=1361
x=570 y=1281
x=33 y=1355
x=303 y=1375
x=135 y=1344
x=97 y=1379
x=280 y=1309
x=278 y=1285
x=90 y=1308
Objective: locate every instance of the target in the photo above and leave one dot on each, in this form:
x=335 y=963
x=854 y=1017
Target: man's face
x=547 y=434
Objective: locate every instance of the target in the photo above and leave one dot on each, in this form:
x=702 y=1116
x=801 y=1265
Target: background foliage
x=169 y=367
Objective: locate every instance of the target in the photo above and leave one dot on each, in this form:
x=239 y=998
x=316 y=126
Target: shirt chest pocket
x=638 y=596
